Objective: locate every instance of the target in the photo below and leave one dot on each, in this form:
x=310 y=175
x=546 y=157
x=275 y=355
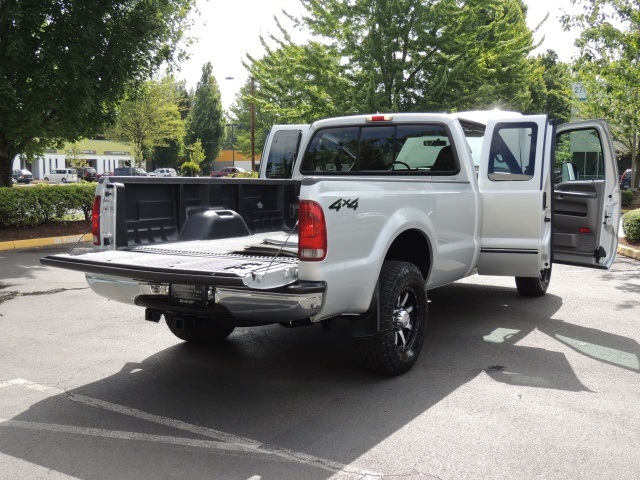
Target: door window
x=282 y=154
x=513 y=152
x=578 y=156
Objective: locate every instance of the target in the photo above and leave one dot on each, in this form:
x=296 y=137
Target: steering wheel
x=392 y=165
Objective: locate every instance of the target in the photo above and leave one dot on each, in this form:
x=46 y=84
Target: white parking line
x=222 y=441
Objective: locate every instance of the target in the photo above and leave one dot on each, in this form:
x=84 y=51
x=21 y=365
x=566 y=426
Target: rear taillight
x=312 y=232
x=95 y=220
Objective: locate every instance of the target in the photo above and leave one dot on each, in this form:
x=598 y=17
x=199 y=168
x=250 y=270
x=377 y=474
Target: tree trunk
x=6 y=165
x=634 y=161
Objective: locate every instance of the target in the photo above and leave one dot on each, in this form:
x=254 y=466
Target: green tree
x=206 y=119
x=292 y=84
x=197 y=157
x=64 y=64
x=554 y=96
x=75 y=156
x=609 y=67
x=149 y=117
x=173 y=152
x=408 y=55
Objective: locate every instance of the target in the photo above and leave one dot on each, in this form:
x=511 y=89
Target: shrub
x=31 y=206
x=627 y=197
x=631 y=225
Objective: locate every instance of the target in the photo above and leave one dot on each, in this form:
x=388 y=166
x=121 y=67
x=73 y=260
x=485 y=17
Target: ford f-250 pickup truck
x=374 y=211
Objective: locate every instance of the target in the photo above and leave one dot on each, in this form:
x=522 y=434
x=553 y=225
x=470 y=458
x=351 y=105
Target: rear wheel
x=46 y=179
x=534 y=286
x=64 y=180
x=403 y=321
x=197 y=330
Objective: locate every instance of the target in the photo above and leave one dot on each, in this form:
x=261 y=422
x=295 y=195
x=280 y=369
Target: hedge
x=631 y=225
x=32 y=206
x=627 y=197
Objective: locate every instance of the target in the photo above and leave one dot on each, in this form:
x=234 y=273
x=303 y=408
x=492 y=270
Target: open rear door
x=281 y=149
x=516 y=188
x=586 y=201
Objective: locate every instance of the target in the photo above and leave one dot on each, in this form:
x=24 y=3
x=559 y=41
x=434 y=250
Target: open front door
x=516 y=188
x=586 y=203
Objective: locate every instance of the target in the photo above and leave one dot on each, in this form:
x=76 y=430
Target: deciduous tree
x=64 y=64
x=149 y=117
x=609 y=67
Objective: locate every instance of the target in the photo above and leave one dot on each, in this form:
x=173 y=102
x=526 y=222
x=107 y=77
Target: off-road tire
x=534 y=286
x=195 y=330
x=403 y=321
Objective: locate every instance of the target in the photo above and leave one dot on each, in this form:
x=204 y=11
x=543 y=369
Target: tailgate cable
x=85 y=232
x=260 y=277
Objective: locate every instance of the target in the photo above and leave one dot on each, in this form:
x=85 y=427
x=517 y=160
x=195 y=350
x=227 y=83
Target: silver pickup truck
x=366 y=215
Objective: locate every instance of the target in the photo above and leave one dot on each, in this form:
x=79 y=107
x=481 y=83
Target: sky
x=226 y=31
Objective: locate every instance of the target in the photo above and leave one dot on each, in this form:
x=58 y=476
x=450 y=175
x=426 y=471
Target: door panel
x=586 y=210
x=515 y=183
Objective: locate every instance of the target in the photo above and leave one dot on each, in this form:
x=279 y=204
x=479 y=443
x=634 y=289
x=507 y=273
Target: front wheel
x=534 y=286
x=197 y=330
x=64 y=180
x=403 y=321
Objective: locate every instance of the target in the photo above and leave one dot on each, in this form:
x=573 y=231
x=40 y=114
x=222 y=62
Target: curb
x=44 y=242
x=629 y=252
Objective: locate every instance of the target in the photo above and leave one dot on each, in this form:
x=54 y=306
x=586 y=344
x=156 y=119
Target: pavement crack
x=10 y=295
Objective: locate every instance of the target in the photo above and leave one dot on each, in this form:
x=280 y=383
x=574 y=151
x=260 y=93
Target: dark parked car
x=22 y=176
x=130 y=172
x=228 y=172
x=88 y=174
x=625 y=180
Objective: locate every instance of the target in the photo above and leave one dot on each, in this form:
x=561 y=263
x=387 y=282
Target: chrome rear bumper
x=298 y=301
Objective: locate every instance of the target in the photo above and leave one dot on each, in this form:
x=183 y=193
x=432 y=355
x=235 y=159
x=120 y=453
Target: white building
x=103 y=155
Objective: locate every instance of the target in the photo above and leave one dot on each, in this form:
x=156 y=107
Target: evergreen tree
x=206 y=118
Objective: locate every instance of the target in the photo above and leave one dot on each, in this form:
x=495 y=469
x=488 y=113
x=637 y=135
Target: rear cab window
x=421 y=148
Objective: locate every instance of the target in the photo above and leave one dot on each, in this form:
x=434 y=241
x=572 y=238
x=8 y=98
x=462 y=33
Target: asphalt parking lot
x=506 y=387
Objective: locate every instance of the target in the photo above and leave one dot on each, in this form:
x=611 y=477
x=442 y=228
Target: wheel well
x=412 y=246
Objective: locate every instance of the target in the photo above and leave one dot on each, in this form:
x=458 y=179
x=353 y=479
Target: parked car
x=130 y=172
x=22 y=176
x=228 y=172
x=105 y=174
x=163 y=172
x=62 y=175
x=88 y=174
x=625 y=180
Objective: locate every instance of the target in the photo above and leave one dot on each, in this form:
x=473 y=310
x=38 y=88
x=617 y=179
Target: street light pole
x=253 y=126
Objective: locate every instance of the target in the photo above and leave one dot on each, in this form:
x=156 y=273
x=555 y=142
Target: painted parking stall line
x=221 y=441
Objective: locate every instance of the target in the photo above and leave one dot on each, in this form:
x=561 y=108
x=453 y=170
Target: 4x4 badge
x=344 y=202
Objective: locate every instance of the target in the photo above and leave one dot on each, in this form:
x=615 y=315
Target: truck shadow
x=297 y=391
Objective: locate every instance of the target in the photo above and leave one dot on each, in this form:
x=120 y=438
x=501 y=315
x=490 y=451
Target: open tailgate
x=261 y=261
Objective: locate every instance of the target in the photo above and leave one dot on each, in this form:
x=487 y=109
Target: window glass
x=282 y=154
x=513 y=152
x=332 y=150
x=474 y=133
x=423 y=148
x=578 y=156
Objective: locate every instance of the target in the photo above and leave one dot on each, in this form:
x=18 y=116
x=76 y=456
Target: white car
x=62 y=175
x=163 y=172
